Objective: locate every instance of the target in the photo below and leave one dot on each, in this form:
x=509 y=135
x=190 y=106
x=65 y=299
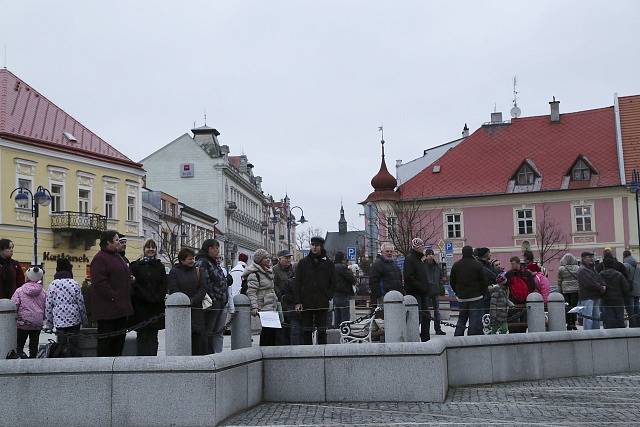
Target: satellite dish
x=516 y=112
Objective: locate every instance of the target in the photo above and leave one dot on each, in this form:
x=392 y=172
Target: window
x=131 y=208
x=173 y=210
x=581 y=172
x=583 y=218
x=391 y=227
x=163 y=206
x=109 y=203
x=56 y=198
x=454 y=226
x=525 y=221
x=84 y=200
x=525 y=176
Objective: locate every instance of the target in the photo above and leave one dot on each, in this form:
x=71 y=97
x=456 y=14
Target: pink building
x=555 y=183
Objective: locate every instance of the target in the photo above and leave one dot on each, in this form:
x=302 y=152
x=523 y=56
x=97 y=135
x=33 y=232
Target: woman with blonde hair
x=568 y=284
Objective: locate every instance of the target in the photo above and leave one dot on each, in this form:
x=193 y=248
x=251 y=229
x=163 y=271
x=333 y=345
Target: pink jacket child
x=30 y=300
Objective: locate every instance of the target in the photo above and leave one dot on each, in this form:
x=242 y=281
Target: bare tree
x=405 y=221
x=170 y=232
x=551 y=240
x=303 y=238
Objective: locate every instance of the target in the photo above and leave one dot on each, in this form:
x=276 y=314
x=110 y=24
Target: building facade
x=93 y=187
x=344 y=239
x=201 y=173
x=552 y=184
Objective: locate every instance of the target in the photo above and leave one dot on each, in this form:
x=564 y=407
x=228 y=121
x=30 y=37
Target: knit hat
x=417 y=244
x=482 y=252
x=243 y=257
x=259 y=256
x=317 y=240
x=34 y=274
x=63 y=264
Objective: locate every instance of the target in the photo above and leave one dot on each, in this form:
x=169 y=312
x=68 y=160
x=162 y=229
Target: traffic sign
x=305 y=253
x=351 y=253
x=448 y=247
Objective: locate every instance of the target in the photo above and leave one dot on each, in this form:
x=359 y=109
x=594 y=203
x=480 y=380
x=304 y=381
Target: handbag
x=206 y=301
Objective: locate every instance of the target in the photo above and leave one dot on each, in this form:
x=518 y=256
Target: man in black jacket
x=384 y=275
x=470 y=285
x=283 y=284
x=345 y=280
x=417 y=284
x=314 y=287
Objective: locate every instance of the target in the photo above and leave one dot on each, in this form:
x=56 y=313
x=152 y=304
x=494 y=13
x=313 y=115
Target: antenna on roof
x=515 y=111
x=205 y=116
x=381 y=130
x=495 y=107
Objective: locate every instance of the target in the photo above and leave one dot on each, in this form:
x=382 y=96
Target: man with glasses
x=313 y=287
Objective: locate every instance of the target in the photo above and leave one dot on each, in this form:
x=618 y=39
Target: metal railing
x=68 y=220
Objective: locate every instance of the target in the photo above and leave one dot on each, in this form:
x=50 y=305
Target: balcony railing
x=78 y=221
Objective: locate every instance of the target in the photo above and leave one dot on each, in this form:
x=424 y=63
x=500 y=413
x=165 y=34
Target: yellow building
x=93 y=186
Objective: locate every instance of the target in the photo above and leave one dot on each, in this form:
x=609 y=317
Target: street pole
x=36 y=211
x=289 y=232
x=638 y=218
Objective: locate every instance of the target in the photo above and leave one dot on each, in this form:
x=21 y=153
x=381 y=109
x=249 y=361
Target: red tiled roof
x=630 y=127
x=29 y=117
x=485 y=162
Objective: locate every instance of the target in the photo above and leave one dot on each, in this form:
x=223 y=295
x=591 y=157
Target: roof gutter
x=616 y=110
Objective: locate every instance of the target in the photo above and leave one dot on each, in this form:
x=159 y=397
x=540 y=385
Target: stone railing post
x=352 y=309
x=178 y=325
x=395 y=317
x=413 y=319
x=535 y=313
x=557 y=312
x=241 y=323
x=8 y=331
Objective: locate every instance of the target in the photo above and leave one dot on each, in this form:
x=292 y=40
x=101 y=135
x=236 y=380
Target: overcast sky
x=302 y=86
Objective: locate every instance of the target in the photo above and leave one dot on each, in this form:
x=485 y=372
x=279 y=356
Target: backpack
x=244 y=286
x=542 y=285
x=519 y=289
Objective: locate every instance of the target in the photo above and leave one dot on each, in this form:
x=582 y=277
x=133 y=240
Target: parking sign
x=351 y=253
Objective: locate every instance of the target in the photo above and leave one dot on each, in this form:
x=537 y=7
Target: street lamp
x=635 y=188
x=42 y=197
x=290 y=221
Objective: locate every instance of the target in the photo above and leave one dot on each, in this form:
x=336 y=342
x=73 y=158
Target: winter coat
x=619 y=267
x=315 y=279
x=591 y=285
x=65 y=304
x=490 y=272
x=260 y=288
x=30 y=300
x=568 y=278
x=344 y=280
x=217 y=282
x=283 y=281
x=110 y=287
x=384 y=276
x=416 y=281
x=236 y=274
x=185 y=279
x=149 y=291
x=468 y=280
x=11 y=277
x=434 y=275
x=525 y=275
x=617 y=288
x=633 y=275
x=499 y=305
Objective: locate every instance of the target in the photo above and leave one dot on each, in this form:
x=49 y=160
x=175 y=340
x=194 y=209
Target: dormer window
x=525 y=176
x=581 y=171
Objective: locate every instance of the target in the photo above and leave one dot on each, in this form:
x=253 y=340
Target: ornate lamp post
x=42 y=197
x=290 y=221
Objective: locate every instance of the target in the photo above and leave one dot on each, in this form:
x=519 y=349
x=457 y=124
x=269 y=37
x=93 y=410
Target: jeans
x=295 y=327
x=633 y=309
x=314 y=319
x=147 y=342
x=435 y=303
x=72 y=342
x=112 y=346
x=341 y=311
x=591 y=309
x=424 y=304
x=572 y=300
x=34 y=339
x=471 y=311
x=215 y=320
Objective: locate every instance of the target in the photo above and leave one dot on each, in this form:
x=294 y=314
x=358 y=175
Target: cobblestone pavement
x=601 y=400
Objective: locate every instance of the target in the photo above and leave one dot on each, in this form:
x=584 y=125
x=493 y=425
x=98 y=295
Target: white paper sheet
x=577 y=309
x=270 y=319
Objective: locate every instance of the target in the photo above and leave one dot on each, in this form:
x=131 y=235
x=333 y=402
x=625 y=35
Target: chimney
x=205 y=135
x=465 y=129
x=496 y=117
x=555 y=110
x=259 y=183
x=224 y=150
x=243 y=164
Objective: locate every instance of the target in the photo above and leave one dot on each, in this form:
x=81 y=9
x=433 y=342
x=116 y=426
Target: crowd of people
x=490 y=299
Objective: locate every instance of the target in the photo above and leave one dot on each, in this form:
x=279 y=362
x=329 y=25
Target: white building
x=201 y=173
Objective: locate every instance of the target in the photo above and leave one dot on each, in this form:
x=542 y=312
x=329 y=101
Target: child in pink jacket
x=30 y=301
